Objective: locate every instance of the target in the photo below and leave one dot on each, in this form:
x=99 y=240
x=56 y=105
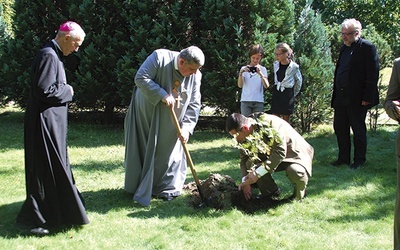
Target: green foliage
x=332 y=32
x=150 y=25
x=384 y=15
x=121 y=34
x=314 y=57
x=260 y=141
x=382 y=46
x=7 y=14
x=4 y=33
x=96 y=85
x=35 y=22
x=223 y=21
x=4 y=36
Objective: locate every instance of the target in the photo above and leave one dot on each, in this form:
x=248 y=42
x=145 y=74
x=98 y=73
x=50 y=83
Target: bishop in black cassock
x=52 y=199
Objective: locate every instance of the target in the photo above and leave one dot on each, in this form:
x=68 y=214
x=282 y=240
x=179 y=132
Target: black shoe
x=339 y=162
x=39 y=231
x=356 y=165
x=166 y=197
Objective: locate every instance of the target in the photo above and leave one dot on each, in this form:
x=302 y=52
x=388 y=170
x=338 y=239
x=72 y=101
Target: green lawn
x=345 y=209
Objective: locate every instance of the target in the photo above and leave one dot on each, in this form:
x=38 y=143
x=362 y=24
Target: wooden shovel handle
x=189 y=159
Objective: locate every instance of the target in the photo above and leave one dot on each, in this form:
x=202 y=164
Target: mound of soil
x=216 y=190
x=221 y=192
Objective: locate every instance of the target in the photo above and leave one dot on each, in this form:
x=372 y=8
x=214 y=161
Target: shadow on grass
x=79 y=134
x=11 y=130
x=10 y=229
x=106 y=200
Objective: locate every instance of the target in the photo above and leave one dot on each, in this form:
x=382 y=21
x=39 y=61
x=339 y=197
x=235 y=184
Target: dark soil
x=221 y=192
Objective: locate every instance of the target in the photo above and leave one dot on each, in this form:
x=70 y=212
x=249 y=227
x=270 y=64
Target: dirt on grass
x=221 y=192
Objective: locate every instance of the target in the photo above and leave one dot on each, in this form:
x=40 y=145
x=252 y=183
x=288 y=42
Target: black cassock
x=52 y=198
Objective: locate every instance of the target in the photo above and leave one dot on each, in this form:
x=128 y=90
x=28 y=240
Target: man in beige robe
x=155 y=163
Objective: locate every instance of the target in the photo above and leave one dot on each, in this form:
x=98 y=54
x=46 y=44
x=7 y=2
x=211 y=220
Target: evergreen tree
x=384 y=15
x=224 y=42
x=279 y=19
x=95 y=78
x=151 y=25
x=121 y=34
x=314 y=57
x=7 y=15
x=4 y=36
x=35 y=23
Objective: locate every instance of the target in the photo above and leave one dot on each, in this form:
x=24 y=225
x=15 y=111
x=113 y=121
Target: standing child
x=287 y=82
x=253 y=79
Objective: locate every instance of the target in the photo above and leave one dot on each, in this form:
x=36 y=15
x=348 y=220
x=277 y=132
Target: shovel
x=205 y=201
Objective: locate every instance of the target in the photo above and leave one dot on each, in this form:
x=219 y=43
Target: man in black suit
x=355 y=90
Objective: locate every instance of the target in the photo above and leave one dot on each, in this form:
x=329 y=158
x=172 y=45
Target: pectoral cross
x=178 y=101
x=177 y=94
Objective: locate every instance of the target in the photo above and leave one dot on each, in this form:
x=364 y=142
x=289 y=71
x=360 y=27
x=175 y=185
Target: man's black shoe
x=356 y=165
x=39 y=231
x=165 y=197
x=339 y=162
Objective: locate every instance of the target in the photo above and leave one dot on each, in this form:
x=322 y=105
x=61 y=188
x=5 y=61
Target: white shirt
x=253 y=89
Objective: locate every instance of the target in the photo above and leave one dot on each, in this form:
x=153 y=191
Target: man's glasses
x=347 y=33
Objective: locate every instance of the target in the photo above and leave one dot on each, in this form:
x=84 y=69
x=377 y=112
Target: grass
x=344 y=209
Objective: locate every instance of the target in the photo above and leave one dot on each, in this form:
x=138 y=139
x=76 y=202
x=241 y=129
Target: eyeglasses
x=347 y=33
x=279 y=54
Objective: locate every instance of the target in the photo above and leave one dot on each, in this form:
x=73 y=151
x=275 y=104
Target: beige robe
x=155 y=163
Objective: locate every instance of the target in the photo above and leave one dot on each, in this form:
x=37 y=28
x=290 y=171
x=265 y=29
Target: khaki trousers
x=296 y=173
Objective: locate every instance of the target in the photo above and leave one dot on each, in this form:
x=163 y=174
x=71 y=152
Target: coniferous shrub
x=4 y=36
x=34 y=23
x=312 y=53
x=151 y=25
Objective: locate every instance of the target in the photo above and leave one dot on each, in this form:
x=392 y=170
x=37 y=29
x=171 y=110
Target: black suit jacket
x=364 y=74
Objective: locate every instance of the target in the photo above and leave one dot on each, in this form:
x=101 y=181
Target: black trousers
x=346 y=117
